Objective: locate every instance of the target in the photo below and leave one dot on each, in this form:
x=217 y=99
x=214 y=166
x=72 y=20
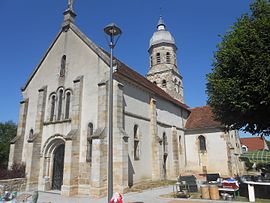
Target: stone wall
x=16 y=184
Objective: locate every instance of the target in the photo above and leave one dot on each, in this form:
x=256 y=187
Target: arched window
x=158 y=58
x=155 y=82
x=60 y=105
x=63 y=66
x=136 y=142
x=52 y=107
x=180 y=144
x=179 y=86
x=90 y=130
x=168 y=57
x=67 y=105
x=31 y=133
x=202 y=143
x=164 y=83
x=165 y=143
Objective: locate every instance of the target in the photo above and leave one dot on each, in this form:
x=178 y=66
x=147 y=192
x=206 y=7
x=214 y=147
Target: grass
x=145 y=185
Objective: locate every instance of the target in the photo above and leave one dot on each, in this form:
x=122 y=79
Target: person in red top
x=117 y=198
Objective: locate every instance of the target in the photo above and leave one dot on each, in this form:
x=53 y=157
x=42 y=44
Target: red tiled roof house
x=214 y=149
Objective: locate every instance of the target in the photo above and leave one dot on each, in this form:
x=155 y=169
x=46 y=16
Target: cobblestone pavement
x=148 y=196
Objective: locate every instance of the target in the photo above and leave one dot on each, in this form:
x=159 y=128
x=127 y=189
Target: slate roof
x=253 y=143
x=202 y=117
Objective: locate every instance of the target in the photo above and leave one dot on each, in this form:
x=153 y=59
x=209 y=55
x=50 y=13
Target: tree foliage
x=239 y=86
x=7 y=132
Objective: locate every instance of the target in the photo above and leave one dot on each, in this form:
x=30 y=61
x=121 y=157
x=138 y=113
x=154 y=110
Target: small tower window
x=176 y=86
x=164 y=83
x=67 y=105
x=60 y=104
x=168 y=57
x=155 y=82
x=158 y=58
x=90 y=130
x=63 y=66
x=151 y=61
x=52 y=107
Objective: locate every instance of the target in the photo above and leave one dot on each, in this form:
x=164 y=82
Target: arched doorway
x=58 y=167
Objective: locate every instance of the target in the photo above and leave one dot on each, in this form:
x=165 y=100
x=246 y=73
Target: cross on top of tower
x=161 y=25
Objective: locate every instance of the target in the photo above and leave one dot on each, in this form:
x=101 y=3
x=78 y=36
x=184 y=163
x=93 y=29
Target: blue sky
x=29 y=26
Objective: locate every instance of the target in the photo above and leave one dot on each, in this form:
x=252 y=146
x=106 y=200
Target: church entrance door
x=58 y=167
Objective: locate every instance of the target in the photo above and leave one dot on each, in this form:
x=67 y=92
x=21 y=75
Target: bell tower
x=163 y=65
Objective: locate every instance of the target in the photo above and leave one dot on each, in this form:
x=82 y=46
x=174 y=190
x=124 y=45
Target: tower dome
x=163 y=69
x=161 y=35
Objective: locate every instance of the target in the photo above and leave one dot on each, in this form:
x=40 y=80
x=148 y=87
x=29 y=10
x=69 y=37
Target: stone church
x=62 y=134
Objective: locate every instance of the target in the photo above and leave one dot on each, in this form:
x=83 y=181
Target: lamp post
x=114 y=33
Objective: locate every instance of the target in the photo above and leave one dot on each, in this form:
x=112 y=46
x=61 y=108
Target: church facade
x=62 y=134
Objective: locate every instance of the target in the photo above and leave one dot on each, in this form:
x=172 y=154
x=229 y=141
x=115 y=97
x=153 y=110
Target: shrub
x=17 y=171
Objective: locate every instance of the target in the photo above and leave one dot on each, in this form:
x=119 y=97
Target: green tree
x=7 y=132
x=238 y=87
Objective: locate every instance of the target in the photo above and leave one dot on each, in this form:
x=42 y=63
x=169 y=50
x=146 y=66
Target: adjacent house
x=253 y=143
x=214 y=149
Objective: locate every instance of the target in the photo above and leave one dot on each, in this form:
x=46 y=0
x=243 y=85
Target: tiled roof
x=202 y=117
x=253 y=143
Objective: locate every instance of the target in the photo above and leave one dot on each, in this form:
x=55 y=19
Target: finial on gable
x=69 y=15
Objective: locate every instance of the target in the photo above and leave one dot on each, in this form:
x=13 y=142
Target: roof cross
x=70 y=4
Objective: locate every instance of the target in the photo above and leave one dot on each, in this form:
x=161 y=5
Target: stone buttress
x=16 y=146
x=72 y=143
x=34 y=143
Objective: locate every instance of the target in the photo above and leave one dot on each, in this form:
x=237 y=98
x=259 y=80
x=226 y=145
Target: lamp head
x=112 y=30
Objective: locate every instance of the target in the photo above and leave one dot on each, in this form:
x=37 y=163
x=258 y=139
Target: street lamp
x=114 y=33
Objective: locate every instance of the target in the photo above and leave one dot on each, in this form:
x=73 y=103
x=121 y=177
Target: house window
x=60 y=104
x=67 y=105
x=168 y=57
x=202 y=143
x=90 y=130
x=165 y=143
x=63 y=66
x=164 y=83
x=244 y=148
x=158 y=58
x=136 y=142
x=52 y=107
